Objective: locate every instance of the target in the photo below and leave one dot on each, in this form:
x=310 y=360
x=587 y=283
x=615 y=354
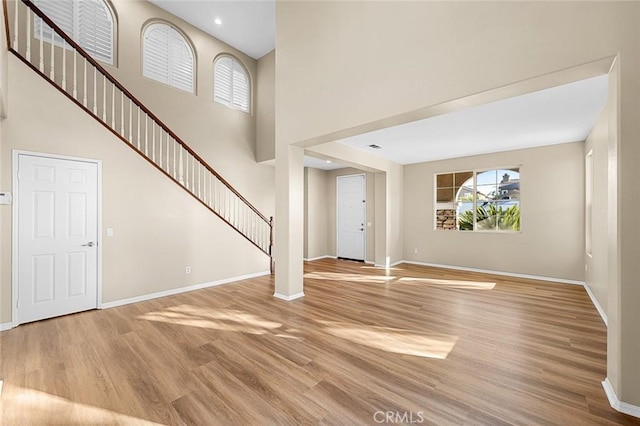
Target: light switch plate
x=5 y=198
x=109 y=232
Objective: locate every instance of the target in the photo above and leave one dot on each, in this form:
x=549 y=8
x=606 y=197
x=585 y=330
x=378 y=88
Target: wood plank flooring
x=429 y=346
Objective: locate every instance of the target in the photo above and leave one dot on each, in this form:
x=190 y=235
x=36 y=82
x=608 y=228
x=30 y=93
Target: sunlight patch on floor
x=44 y=408
x=474 y=285
x=218 y=319
x=338 y=276
x=394 y=340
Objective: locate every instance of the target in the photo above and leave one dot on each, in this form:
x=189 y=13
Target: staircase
x=79 y=77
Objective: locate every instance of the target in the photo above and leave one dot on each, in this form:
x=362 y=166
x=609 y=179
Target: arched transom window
x=90 y=23
x=231 y=85
x=167 y=57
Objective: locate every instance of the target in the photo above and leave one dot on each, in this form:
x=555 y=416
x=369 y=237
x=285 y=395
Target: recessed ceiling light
x=218 y=21
x=374 y=146
x=328 y=161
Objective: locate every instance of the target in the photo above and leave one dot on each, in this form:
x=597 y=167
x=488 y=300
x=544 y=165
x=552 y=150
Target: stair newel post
x=272 y=266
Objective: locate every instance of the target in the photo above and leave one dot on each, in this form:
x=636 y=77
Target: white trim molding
x=288 y=298
x=595 y=302
x=326 y=256
x=616 y=404
x=173 y=291
x=15 y=159
x=6 y=326
x=487 y=271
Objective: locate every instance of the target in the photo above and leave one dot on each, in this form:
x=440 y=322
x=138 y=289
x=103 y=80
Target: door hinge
x=18 y=304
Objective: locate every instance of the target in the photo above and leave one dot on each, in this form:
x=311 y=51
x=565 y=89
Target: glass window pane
x=509 y=217
x=445 y=195
x=444 y=180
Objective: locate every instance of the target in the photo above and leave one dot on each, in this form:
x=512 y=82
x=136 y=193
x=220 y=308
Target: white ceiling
x=249 y=26
x=552 y=116
x=318 y=163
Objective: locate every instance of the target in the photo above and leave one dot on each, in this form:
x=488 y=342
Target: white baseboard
x=326 y=256
x=595 y=302
x=487 y=271
x=171 y=292
x=616 y=404
x=378 y=265
x=6 y=326
x=288 y=298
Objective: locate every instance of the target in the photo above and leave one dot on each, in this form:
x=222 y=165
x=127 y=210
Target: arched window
x=167 y=56
x=231 y=85
x=90 y=23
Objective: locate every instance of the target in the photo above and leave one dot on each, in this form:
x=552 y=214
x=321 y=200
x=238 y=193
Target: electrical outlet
x=187 y=270
x=415 y=251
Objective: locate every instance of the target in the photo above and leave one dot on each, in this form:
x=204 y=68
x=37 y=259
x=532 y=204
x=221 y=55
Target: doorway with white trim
x=55 y=235
x=351 y=217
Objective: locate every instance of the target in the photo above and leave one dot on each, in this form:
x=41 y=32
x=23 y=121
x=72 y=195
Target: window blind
x=88 y=22
x=167 y=57
x=231 y=84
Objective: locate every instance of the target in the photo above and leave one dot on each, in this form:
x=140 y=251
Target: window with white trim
x=231 y=83
x=482 y=200
x=167 y=57
x=90 y=23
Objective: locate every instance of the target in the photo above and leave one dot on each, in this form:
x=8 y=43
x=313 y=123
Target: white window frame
x=236 y=66
x=171 y=68
x=42 y=31
x=475 y=199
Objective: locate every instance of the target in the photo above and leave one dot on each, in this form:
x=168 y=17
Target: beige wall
x=551 y=243
x=158 y=228
x=453 y=50
x=597 y=263
x=316 y=213
x=265 y=107
x=4 y=58
x=225 y=138
x=448 y=50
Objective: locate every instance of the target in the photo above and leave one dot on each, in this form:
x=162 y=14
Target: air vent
x=374 y=146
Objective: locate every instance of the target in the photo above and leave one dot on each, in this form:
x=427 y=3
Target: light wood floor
x=444 y=347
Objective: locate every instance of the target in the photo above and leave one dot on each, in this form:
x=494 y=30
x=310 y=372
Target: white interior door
x=351 y=216
x=57 y=206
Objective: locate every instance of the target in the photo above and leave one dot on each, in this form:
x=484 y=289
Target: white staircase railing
x=63 y=63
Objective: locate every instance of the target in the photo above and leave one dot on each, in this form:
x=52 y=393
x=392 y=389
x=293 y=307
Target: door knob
x=89 y=244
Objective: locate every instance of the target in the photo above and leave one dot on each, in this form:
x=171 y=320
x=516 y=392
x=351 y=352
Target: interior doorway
x=56 y=229
x=351 y=217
